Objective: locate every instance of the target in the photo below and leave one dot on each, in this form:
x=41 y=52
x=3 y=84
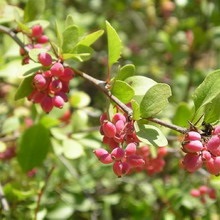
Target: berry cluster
x=51 y=83
x=120 y=137
x=202 y=192
x=8 y=154
x=202 y=150
x=37 y=39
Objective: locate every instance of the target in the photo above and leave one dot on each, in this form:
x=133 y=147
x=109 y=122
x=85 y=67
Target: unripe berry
x=40 y=82
x=120 y=168
x=45 y=59
x=117 y=153
x=109 y=129
x=55 y=86
x=118 y=116
x=103 y=156
x=58 y=101
x=37 y=31
x=195 y=193
x=57 y=69
x=192 y=136
x=130 y=149
x=135 y=161
x=67 y=74
x=192 y=162
x=193 y=146
x=47 y=104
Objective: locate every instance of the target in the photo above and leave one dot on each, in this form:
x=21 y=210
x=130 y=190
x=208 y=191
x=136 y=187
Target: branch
x=13 y=35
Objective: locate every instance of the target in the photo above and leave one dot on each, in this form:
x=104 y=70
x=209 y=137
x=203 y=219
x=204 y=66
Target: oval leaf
x=91 y=38
x=122 y=91
x=72 y=149
x=150 y=134
x=114 y=45
x=125 y=72
x=31 y=152
x=155 y=99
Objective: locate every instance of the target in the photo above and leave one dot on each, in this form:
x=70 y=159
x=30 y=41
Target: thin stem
x=13 y=35
x=40 y=194
x=3 y=200
x=168 y=125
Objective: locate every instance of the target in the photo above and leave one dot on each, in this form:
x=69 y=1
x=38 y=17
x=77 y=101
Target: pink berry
x=55 y=86
x=103 y=118
x=195 y=193
x=162 y=151
x=117 y=153
x=130 y=149
x=193 y=146
x=213 y=145
x=103 y=156
x=67 y=74
x=57 y=69
x=47 y=104
x=192 y=162
x=45 y=59
x=217 y=130
x=213 y=165
x=121 y=168
x=43 y=39
x=119 y=126
x=37 y=31
x=192 y=136
x=40 y=82
x=118 y=116
x=206 y=155
x=135 y=161
x=47 y=74
x=203 y=189
x=63 y=95
x=58 y=101
x=109 y=129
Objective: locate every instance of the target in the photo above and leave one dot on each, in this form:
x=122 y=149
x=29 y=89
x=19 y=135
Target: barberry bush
x=109 y=109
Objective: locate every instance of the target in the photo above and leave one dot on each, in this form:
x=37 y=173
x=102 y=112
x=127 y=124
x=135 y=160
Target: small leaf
x=155 y=99
x=33 y=9
x=122 y=91
x=140 y=84
x=31 y=152
x=72 y=149
x=207 y=91
x=150 y=134
x=91 y=38
x=10 y=124
x=25 y=88
x=70 y=38
x=29 y=69
x=114 y=45
x=125 y=72
x=136 y=110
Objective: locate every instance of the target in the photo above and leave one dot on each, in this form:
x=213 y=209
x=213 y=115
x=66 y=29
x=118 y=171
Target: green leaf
x=207 y=91
x=155 y=99
x=79 y=99
x=83 y=51
x=33 y=54
x=122 y=91
x=136 y=110
x=212 y=113
x=70 y=39
x=29 y=69
x=91 y=38
x=125 y=72
x=10 y=124
x=140 y=84
x=72 y=149
x=114 y=45
x=150 y=134
x=32 y=152
x=33 y=9
x=69 y=20
x=25 y=88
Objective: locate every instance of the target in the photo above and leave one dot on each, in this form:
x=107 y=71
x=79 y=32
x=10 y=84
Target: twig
x=41 y=192
x=3 y=200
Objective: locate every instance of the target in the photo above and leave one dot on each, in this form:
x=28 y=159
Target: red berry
x=203 y=189
x=162 y=151
x=120 y=168
x=57 y=69
x=119 y=126
x=55 y=86
x=117 y=153
x=109 y=129
x=43 y=39
x=58 y=101
x=37 y=31
x=192 y=162
x=118 y=116
x=213 y=165
x=47 y=104
x=67 y=74
x=135 y=161
x=45 y=59
x=193 y=146
x=213 y=145
x=217 y=130
x=130 y=149
x=195 y=193
x=40 y=82
x=192 y=136
x=103 y=156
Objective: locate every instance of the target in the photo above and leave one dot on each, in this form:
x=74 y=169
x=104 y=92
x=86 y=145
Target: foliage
x=164 y=80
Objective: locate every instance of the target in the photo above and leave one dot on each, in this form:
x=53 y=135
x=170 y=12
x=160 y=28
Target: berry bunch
x=36 y=38
x=120 y=137
x=51 y=84
x=202 y=150
x=203 y=192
